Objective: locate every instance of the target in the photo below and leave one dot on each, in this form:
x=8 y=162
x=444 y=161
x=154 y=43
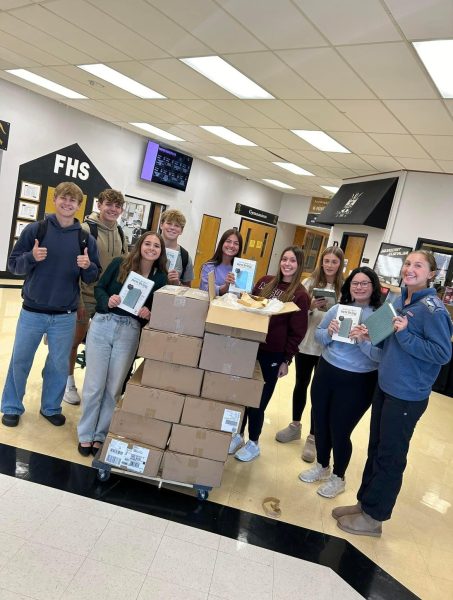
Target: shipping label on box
x=179 y=309
x=173 y=378
x=201 y=412
x=230 y=355
x=200 y=442
x=152 y=402
x=140 y=429
x=231 y=388
x=190 y=469
x=170 y=347
x=131 y=456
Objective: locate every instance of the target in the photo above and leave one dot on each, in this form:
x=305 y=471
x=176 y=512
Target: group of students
x=395 y=378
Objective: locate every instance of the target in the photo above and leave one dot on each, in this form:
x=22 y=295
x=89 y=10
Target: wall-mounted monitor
x=166 y=166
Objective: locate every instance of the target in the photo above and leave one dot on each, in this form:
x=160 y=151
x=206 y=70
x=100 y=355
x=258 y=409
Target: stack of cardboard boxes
x=189 y=394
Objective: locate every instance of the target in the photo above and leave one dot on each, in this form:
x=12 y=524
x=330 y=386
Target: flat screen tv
x=166 y=166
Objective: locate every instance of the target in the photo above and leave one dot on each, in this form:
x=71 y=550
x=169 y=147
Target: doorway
x=352 y=245
x=207 y=240
x=258 y=243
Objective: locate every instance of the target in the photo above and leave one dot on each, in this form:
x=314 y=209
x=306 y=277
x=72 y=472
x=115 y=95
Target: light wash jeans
x=31 y=327
x=111 y=346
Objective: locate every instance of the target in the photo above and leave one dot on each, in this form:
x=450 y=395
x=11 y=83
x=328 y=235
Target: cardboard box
x=191 y=469
x=152 y=402
x=231 y=388
x=211 y=414
x=170 y=347
x=240 y=323
x=140 y=429
x=179 y=309
x=230 y=355
x=130 y=456
x=200 y=442
x=173 y=378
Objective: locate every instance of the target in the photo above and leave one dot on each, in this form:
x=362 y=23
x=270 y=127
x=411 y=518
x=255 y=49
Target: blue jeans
x=111 y=346
x=31 y=327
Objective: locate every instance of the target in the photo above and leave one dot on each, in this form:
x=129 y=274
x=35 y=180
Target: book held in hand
x=172 y=257
x=380 y=323
x=135 y=292
x=244 y=273
x=328 y=295
x=348 y=316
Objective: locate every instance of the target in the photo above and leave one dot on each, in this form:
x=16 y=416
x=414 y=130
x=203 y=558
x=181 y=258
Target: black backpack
x=184 y=260
x=42 y=230
x=94 y=232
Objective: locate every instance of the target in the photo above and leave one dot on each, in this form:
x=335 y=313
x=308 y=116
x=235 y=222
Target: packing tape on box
x=192 y=463
x=226 y=368
x=198 y=452
x=179 y=301
x=168 y=356
x=200 y=435
x=179 y=325
x=150 y=412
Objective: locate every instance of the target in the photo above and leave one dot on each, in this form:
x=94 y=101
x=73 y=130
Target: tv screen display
x=166 y=166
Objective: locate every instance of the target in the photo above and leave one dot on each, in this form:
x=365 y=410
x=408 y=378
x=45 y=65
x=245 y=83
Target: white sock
x=71 y=382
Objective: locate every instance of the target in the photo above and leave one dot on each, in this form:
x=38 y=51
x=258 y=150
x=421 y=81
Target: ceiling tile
x=390 y=70
x=350 y=21
x=419 y=164
x=282 y=114
x=9 y=4
x=352 y=161
x=13 y=60
x=423 y=19
x=422 y=116
x=383 y=163
x=359 y=143
x=16 y=44
x=370 y=115
x=323 y=114
x=246 y=112
x=447 y=165
x=439 y=146
x=400 y=145
x=325 y=159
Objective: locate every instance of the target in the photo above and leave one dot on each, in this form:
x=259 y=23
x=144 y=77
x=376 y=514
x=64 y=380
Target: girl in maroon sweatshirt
x=282 y=342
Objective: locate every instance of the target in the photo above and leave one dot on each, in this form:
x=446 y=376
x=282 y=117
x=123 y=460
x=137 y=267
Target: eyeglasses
x=357 y=284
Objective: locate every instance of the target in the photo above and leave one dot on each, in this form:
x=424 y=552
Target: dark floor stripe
x=349 y=563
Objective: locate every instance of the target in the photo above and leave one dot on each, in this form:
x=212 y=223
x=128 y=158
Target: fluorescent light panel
x=226 y=76
x=227 y=135
x=279 y=184
x=46 y=83
x=159 y=132
x=292 y=168
x=331 y=188
x=320 y=140
x=122 y=81
x=228 y=162
x=437 y=56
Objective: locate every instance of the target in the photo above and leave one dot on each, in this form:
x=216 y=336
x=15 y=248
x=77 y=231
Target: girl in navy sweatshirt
x=410 y=362
x=282 y=342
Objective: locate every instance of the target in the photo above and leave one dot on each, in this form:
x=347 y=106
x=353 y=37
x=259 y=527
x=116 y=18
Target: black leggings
x=305 y=365
x=339 y=399
x=270 y=363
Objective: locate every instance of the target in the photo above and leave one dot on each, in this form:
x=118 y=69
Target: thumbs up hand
x=39 y=254
x=83 y=260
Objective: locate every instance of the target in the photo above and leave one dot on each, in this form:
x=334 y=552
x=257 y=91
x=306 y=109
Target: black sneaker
x=10 y=420
x=57 y=420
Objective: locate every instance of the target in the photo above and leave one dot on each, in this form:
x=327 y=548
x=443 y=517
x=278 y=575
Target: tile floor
x=417 y=545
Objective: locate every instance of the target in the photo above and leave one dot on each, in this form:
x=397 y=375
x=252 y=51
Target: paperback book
x=348 y=317
x=380 y=323
x=135 y=292
x=328 y=295
x=244 y=273
x=172 y=257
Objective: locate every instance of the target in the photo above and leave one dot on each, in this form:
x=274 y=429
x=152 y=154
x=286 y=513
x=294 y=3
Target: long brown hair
x=288 y=295
x=218 y=254
x=131 y=262
x=318 y=276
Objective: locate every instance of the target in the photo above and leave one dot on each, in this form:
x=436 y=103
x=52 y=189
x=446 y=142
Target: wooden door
x=258 y=243
x=352 y=246
x=207 y=241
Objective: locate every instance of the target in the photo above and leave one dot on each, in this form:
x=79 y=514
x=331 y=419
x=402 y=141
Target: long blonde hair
x=318 y=277
x=131 y=262
x=288 y=295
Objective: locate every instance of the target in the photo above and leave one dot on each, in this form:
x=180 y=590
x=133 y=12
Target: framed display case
x=389 y=261
x=30 y=191
x=443 y=253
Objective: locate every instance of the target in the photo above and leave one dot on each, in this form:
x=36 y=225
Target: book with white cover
x=244 y=273
x=348 y=316
x=172 y=257
x=135 y=292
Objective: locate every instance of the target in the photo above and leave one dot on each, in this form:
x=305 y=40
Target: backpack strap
x=121 y=232
x=184 y=260
x=94 y=232
x=42 y=230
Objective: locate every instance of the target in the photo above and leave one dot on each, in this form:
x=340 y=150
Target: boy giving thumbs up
x=53 y=268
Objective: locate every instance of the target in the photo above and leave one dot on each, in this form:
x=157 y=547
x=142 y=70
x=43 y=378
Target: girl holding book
x=411 y=360
x=229 y=246
x=328 y=275
x=284 y=335
x=113 y=337
x=343 y=383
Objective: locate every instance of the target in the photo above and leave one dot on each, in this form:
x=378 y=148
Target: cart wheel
x=103 y=475
x=202 y=494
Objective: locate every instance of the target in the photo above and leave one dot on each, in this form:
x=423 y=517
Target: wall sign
x=4 y=135
x=389 y=262
x=317 y=205
x=255 y=214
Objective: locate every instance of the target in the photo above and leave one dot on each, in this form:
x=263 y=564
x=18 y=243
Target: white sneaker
x=248 y=452
x=316 y=473
x=333 y=486
x=236 y=442
x=71 y=396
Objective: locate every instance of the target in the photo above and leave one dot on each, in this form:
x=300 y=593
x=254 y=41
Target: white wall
x=40 y=126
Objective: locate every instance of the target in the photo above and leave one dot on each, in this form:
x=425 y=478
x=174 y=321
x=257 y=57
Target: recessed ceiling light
x=222 y=73
x=437 y=56
x=159 y=132
x=46 y=83
x=227 y=135
x=293 y=168
x=279 y=184
x=122 y=81
x=228 y=162
x=331 y=188
x=320 y=140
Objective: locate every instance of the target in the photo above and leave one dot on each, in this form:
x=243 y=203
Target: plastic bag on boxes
x=231 y=301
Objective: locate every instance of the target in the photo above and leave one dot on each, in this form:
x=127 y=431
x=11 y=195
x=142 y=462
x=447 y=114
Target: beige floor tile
x=6 y=595
x=156 y=589
x=6 y=482
x=246 y=551
x=302 y=583
x=9 y=545
x=21 y=517
x=138 y=520
x=235 y=575
x=193 y=535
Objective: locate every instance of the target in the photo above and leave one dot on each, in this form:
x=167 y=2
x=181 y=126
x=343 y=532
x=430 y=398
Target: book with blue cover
x=244 y=274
